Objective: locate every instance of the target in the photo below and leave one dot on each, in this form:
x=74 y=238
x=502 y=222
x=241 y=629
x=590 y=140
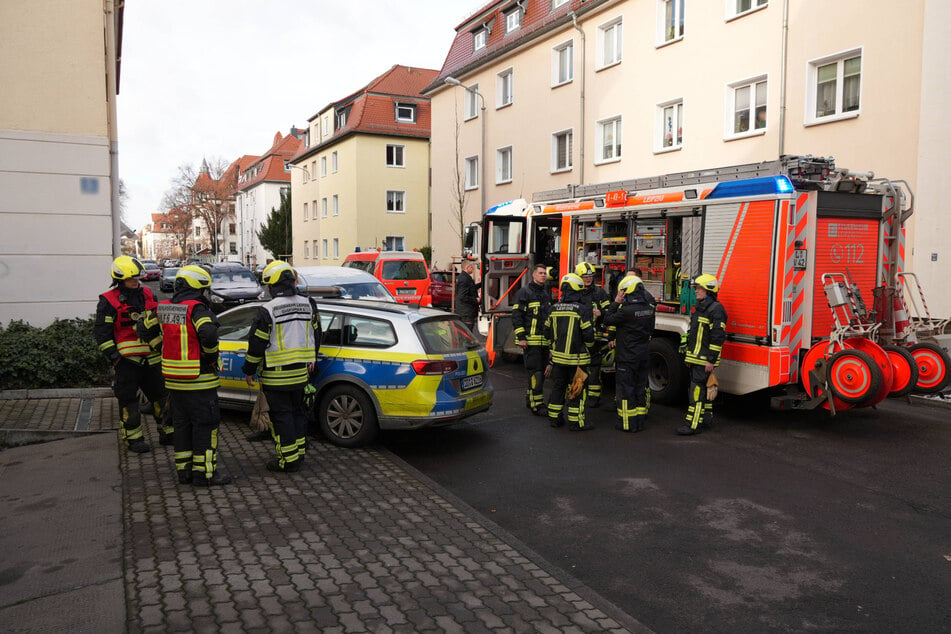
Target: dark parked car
x=232 y=284
x=440 y=285
x=167 y=283
x=151 y=271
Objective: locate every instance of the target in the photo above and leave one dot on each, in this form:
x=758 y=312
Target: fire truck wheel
x=905 y=370
x=880 y=358
x=667 y=375
x=854 y=377
x=932 y=362
x=818 y=352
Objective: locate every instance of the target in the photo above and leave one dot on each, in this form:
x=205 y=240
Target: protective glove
x=683 y=344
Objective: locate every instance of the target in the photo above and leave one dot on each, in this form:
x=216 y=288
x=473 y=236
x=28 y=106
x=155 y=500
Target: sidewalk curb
x=933 y=403
x=10 y=438
x=77 y=392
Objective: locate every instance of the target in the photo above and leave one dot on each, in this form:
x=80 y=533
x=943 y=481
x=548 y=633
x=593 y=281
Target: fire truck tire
x=880 y=358
x=818 y=352
x=933 y=364
x=905 y=370
x=667 y=374
x=854 y=377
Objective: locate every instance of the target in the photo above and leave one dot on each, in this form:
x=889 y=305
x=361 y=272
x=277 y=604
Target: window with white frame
x=561 y=151
x=316 y=252
x=608 y=138
x=305 y=212
x=313 y=209
x=747 y=110
x=670 y=121
x=472 y=172
x=336 y=248
x=513 y=20
x=395 y=202
x=504 y=85
x=746 y=6
x=333 y=162
x=394 y=155
x=835 y=87
x=323 y=243
x=562 y=63
x=306 y=249
x=323 y=207
x=406 y=112
x=326 y=125
x=609 y=38
x=341 y=119
x=393 y=243
x=313 y=168
x=336 y=204
x=323 y=165
x=503 y=165
x=479 y=38
x=472 y=102
x=557 y=3
x=670 y=20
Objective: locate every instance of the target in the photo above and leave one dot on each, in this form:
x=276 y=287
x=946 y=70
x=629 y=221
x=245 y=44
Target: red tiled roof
x=272 y=162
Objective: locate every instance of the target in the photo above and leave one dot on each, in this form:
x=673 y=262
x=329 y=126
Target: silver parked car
x=353 y=283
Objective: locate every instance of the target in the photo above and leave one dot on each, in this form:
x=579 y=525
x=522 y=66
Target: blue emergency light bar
x=765 y=186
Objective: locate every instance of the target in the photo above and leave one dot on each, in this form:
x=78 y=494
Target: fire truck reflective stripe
x=737 y=224
x=799 y=303
x=782 y=276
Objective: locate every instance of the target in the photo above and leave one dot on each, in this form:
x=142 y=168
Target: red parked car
x=440 y=285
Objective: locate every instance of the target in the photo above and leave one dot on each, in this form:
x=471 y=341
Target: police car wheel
x=347 y=417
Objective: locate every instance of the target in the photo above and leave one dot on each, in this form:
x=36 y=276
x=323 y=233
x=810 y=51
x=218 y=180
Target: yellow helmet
x=629 y=284
x=276 y=271
x=125 y=267
x=708 y=282
x=192 y=276
x=573 y=281
x=551 y=272
x=583 y=268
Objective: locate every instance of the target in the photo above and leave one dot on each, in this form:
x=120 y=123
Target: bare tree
x=457 y=218
x=207 y=194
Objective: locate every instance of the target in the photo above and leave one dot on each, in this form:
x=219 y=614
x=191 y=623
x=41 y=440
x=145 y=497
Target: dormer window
x=479 y=38
x=406 y=112
x=341 y=120
x=513 y=20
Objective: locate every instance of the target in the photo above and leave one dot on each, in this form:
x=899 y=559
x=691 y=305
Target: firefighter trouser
x=631 y=393
x=594 y=371
x=130 y=378
x=561 y=378
x=196 y=417
x=699 y=411
x=535 y=358
x=288 y=423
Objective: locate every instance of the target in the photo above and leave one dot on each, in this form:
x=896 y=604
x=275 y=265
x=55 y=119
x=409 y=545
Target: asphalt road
x=774 y=521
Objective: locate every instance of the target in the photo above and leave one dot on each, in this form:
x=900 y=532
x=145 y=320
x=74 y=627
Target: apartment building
x=260 y=185
x=560 y=92
x=59 y=187
x=363 y=179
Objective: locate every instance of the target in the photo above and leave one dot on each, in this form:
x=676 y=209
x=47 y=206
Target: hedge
x=64 y=354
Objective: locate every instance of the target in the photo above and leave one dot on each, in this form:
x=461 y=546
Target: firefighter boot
x=687 y=430
x=139 y=446
x=217 y=479
x=289 y=467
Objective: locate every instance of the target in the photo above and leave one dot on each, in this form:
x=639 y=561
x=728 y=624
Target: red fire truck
x=809 y=258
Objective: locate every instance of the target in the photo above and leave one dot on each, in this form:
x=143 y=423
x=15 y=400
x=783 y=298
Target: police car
x=381 y=366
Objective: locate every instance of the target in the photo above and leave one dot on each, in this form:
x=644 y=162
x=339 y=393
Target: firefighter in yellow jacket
x=569 y=329
x=189 y=343
x=704 y=344
x=137 y=366
x=282 y=351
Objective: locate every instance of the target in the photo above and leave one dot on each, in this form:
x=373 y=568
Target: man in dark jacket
x=569 y=329
x=704 y=343
x=467 y=296
x=597 y=300
x=529 y=312
x=631 y=314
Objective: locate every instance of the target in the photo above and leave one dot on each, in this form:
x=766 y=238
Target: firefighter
x=467 y=297
x=569 y=329
x=137 y=365
x=631 y=314
x=282 y=351
x=704 y=342
x=529 y=312
x=595 y=297
x=189 y=343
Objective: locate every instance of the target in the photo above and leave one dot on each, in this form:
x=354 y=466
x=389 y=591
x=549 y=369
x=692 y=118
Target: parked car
x=167 y=283
x=232 y=284
x=258 y=270
x=353 y=283
x=440 y=287
x=404 y=273
x=151 y=271
x=382 y=366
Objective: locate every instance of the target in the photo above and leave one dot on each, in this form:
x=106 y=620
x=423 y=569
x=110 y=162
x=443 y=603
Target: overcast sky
x=217 y=78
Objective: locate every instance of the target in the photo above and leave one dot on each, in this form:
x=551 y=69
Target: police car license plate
x=469 y=382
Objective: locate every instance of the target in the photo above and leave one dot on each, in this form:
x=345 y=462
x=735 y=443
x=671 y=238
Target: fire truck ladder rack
x=922 y=322
x=849 y=313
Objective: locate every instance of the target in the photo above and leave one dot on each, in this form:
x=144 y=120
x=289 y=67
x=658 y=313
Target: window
x=316 y=253
x=835 y=85
x=197 y=231
x=395 y=201
x=562 y=64
x=233 y=248
x=336 y=248
x=336 y=205
x=305 y=212
x=232 y=228
x=323 y=165
x=472 y=172
x=406 y=112
x=394 y=155
x=609 y=44
x=503 y=165
x=393 y=243
x=333 y=162
x=557 y=3
x=313 y=209
x=745 y=6
x=323 y=243
x=472 y=102
x=670 y=118
x=326 y=125
x=341 y=119
x=609 y=140
x=561 y=151
x=323 y=207
x=479 y=39
x=747 y=110
x=513 y=20
x=503 y=88
x=313 y=170
x=306 y=249
x=670 y=20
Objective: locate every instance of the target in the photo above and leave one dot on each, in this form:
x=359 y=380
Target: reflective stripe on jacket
x=707 y=332
x=571 y=333
x=529 y=312
x=127 y=341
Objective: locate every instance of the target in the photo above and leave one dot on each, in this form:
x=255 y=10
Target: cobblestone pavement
x=357 y=541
